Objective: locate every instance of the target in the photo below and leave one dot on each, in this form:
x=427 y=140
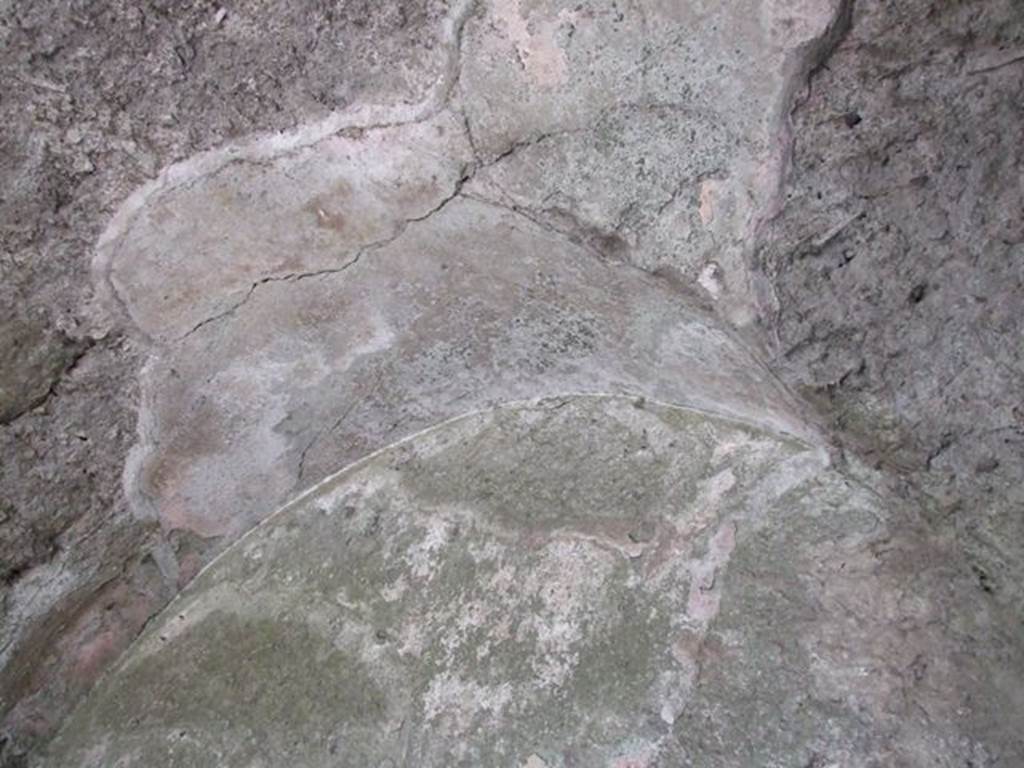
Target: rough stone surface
x=95 y=100
x=580 y=581
x=898 y=262
x=224 y=232
x=34 y=358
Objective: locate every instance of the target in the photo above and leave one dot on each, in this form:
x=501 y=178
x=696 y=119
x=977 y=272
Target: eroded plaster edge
x=798 y=70
x=815 y=454
x=268 y=146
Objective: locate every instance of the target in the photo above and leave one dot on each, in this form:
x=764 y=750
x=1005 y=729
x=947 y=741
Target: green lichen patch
x=562 y=578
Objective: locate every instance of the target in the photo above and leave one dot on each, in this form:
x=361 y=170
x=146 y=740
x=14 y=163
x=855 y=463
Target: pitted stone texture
x=32 y=358
x=530 y=67
x=654 y=208
x=654 y=124
x=897 y=268
x=474 y=306
x=579 y=581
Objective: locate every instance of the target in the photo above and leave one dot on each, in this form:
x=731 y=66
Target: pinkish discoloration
x=536 y=43
x=97 y=653
x=705 y=585
x=677 y=542
x=98 y=631
x=189 y=565
x=707 y=196
x=639 y=758
x=703 y=603
x=102 y=633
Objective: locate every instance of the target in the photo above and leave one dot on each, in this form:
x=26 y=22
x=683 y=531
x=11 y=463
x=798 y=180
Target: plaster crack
x=334 y=426
x=466 y=174
x=290 y=277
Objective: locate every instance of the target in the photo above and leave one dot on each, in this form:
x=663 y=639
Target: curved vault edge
x=321 y=486
x=808 y=460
